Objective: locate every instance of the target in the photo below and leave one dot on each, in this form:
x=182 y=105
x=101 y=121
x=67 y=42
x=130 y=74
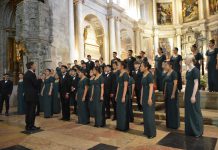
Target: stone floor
x=59 y=135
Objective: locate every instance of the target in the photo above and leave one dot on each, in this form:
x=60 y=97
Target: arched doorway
x=93 y=37
x=126 y=43
x=9 y=58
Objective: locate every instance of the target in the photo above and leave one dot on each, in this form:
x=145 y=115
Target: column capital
x=108 y=17
x=117 y=18
x=76 y=2
x=135 y=29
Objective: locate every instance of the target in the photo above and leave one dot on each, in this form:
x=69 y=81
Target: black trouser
x=30 y=114
x=107 y=103
x=114 y=103
x=6 y=99
x=73 y=95
x=65 y=105
x=38 y=105
x=138 y=97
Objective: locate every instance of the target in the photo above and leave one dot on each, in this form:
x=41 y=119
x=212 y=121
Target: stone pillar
x=73 y=52
x=155 y=12
x=118 y=41
x=202 y=9
x=79 y=29
x=178 y=39
x=156 y=41
x=137 y=40
x=112 y=43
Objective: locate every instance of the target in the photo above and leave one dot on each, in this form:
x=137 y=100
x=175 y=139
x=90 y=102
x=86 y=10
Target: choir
x=92 y=89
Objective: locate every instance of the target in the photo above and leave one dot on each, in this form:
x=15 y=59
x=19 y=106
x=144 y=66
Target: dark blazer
x=137 y=77
x=115 y=59
x=31 y=86
x=130 y=63
x=6 y=88
x=75 y=81
x=65 y=85
x=90 y=65
x=108 y=83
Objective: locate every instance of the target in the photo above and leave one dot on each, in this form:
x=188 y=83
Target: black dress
x=131 y=82
x=99 y=105
x=193 y=115
x=158 y=70
x=172 y=105
x=83 y=114
x=198 y=58
x=212 y=71
x=122 y=108
x=177 y=68
x=148 y=111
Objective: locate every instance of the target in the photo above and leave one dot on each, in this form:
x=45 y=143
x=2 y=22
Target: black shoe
x=151 y=137
x=35 y=128
x=37 y=114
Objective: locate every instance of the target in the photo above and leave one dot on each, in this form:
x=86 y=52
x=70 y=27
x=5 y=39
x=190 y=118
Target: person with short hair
x=31 y=96
x=143 y=57
x=115 y=58
x=58 y=69
x=89 y=64
x=6 y=88
x=212 y=66
x=130 y=61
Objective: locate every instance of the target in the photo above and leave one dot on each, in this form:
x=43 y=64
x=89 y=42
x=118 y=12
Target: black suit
x=31 y=87
x=65 y=88
x=130 y=63
x=107 y=91
x=6 y=88
x=75 y=81
x=137 y=76
x=90 y=65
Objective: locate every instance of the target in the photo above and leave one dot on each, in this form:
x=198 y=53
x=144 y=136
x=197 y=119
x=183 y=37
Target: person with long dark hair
x=198 y=57
x=176 y=60
x=20 y=96
x=47 y=94
x=193 y=115
x=171 y=97
x=122 y=98
x=98 y=98
x=159 y=59
x=148 y=101
x=81 y=97
x=212 y=66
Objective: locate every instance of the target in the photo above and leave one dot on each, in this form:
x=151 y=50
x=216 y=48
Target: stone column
x=178 y=39
x=202 y=9
x=137 y=40
x=118 y=42
x=73 y=52
x=155 y=12
x=79 y=29
x=156 y=40
x=112 y=43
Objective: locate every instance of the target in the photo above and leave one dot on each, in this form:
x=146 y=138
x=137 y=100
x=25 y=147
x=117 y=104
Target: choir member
x=56 y=96
x=198 y=57
x=130 y=61
x=68 y=68
x=131 y=89
x=91 y=103
x=47 y=94
x=159 y=59
x=98 y=98
x=193 y=115
x=212 y=66
x=171 y=97
x=115 y=74
x=76 y=66
x=143 y=57
x=58 y=69
x=115 y=58
x=102 y=64
x=75 y=81
x=65 y=89
x=85 y=68
x=122 y=98
x=148 y=101
x=81 y=97
x=20 y=96
x=107 y=89
x=39 y=105
x=89 y=64
x=6 y=88
x=176 y=59
x=137 y=76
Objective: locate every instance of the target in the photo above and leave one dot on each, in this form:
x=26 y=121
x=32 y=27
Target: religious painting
x=167 y=45
x=213 y=7
x=164 y=13
x=190 y=10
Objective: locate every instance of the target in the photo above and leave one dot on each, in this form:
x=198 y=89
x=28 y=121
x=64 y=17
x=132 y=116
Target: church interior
x=51 y=31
